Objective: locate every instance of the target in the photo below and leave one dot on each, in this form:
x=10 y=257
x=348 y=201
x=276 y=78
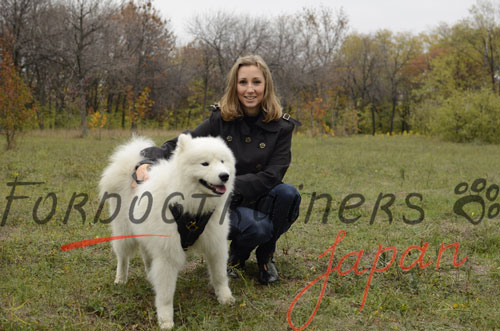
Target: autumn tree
x=303 y=52
x=139 y=107
x=396 y=53
x=83 y=47
x=229 y=36
x=98 y=120
x=361 y=62
x=17 y=107
x=483 y=36
x=28 y=23
x=146 y=44
x=203 y=82
x=15 y=19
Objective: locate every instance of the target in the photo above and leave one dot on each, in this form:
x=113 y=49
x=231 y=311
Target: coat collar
x=272 y=126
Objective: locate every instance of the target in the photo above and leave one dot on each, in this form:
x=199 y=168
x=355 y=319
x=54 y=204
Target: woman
x=250 y=120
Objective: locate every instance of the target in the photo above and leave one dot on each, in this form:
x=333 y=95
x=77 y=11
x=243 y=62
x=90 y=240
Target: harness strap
x=189 y=226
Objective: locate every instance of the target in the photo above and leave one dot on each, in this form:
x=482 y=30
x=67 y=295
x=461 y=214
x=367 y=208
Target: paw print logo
x=475 y=201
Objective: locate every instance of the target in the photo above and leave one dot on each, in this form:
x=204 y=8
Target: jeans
x=273 y=215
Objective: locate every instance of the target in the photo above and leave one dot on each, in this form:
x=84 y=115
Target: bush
x=468 y=116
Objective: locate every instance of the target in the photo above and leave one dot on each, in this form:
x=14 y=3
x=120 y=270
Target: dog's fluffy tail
x=116 y=178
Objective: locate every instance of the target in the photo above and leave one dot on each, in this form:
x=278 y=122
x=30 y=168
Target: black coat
x=262 y=151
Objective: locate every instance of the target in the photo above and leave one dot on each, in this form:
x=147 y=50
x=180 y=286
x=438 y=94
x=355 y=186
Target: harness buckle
x=192 y=224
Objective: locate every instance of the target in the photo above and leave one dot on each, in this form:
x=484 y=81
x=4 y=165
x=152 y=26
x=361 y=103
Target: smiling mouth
x=217 y=189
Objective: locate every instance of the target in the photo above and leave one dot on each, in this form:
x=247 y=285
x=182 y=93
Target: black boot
x=236 y=261
x=235 y=266
x=268 y=273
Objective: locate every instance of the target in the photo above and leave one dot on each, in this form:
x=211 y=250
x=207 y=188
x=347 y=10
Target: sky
x=364 y=15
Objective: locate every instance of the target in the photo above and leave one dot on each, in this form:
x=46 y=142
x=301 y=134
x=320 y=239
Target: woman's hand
x=141 y=173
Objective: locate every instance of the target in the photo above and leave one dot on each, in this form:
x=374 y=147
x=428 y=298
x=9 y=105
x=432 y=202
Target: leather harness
x=189 y=226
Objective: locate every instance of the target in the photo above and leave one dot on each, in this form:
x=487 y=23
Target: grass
x=42 y=287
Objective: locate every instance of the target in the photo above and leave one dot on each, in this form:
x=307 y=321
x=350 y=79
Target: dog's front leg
x=163 y=276
x=146 y=259
x=123 y=250
x=217 y=267
x=122 y=270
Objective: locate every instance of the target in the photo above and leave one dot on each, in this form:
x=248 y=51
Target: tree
x=486 y=38
x=397 y=50
x=15 y=21
x=139 y=107
x=82 y=54
x=362 y=77
x=230 y=36
x=17 y=107
x=303 y=52
x=145 y=43
x=98 y=120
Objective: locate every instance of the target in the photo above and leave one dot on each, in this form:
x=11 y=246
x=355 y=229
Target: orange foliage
x=318 y=109
x=97 y=120
x=17 y=107
x=140 y=106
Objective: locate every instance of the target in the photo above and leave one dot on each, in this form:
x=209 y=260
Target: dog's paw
x=165 y=317
x=165 y=324
x=225 y=297
x=120 y=280
x=227 y=300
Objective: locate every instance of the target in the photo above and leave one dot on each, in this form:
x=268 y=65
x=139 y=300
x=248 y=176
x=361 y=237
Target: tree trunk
x=372 y=108
x=133 y=119
x=298 y=111
x=42 y=101
x=109 y=102
x=10 y=135
x=66 y=110
x=175 y=116
x=188 y=119
x=95 y=101
x=312 y=120
x=205 y=92
x=394 y=101
x=124 y=104
x=334 y=112
x=83 y=109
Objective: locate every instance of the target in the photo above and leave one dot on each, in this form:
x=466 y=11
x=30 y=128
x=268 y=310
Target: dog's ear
x=183 y=141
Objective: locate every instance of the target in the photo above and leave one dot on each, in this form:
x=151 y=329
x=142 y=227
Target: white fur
x=164 y=257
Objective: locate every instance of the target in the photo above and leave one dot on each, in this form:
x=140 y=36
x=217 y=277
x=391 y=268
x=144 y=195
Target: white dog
x=186 y=193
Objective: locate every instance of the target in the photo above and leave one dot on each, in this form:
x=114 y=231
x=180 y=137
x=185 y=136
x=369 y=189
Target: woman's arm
x=153 y=154
x=253 y=185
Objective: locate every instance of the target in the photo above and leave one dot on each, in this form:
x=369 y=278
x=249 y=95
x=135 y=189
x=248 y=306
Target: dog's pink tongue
x=220 y=188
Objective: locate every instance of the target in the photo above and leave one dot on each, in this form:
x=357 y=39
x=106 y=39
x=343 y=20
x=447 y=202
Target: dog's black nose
x=224 y=176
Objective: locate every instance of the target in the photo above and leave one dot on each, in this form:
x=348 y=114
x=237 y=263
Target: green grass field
x=42 y=287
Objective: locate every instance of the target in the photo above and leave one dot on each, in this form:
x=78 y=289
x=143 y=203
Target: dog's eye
x=205 y=164
x=221 y=161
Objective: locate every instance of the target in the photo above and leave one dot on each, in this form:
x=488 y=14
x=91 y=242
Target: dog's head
x=206 y=161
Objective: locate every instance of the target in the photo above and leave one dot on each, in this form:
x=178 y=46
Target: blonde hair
x=230 y=105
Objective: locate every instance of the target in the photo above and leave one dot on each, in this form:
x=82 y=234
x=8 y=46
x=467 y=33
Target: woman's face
x=250 y=87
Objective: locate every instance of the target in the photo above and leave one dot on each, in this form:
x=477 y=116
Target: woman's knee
x=250 y=227
x=288 y=196
x=286 y=192
x=263 y=232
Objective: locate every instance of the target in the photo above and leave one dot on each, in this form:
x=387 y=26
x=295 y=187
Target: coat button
x=258 y=166
x=262 y=145
x=248 y=140
x=229 y=138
